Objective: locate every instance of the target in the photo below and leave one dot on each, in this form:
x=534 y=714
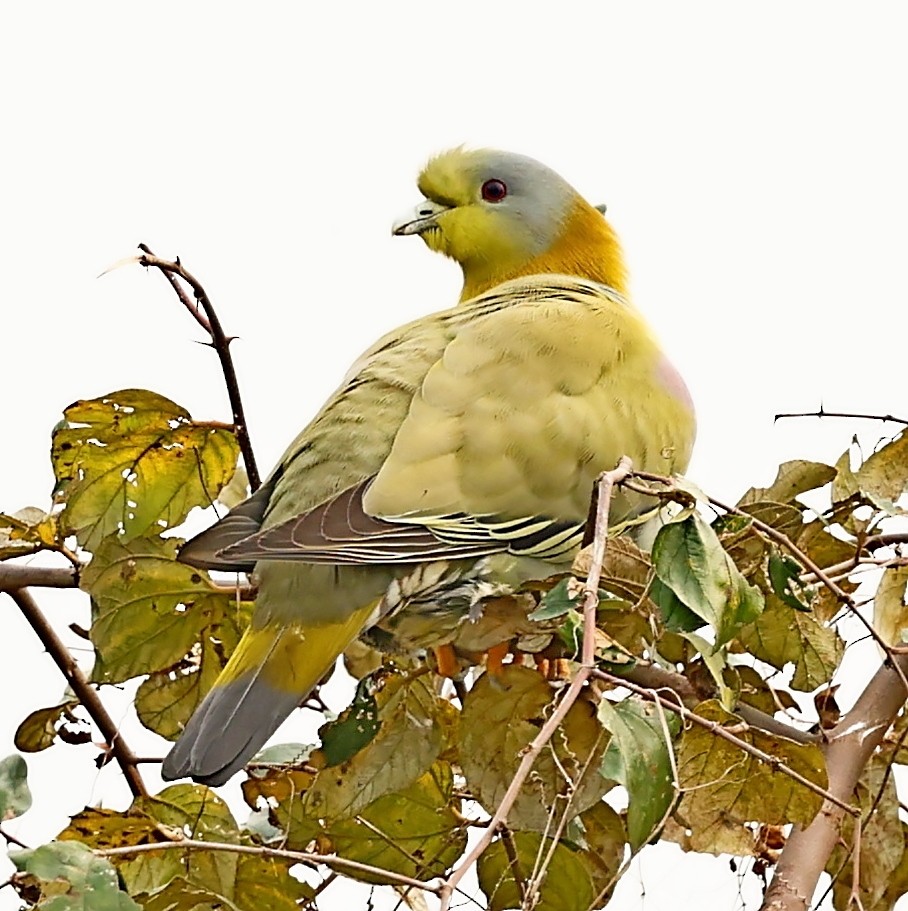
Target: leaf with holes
x=133 y=462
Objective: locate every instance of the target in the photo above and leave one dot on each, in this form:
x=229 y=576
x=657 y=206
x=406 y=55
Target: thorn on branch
x=208 y=320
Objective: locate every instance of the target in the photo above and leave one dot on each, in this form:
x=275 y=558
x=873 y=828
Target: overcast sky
x=752 y=157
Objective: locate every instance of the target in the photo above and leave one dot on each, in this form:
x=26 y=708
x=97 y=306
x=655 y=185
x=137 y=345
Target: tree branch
x=13 y=576
x=219 y=341
x=822 y=413
x=850 y=745
x=88 y=696
x=604 y=487
x=300 y=857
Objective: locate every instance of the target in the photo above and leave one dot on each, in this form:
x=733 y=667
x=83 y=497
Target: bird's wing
x=533 y=389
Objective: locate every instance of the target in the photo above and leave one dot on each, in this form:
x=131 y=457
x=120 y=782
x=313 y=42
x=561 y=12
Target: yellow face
x=501 y=215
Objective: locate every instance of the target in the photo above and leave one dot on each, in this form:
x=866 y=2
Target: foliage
x=725 y=606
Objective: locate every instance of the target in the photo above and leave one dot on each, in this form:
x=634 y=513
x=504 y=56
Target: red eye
x=494 y=190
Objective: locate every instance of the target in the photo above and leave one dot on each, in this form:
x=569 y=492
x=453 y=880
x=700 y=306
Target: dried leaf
x=501 y=716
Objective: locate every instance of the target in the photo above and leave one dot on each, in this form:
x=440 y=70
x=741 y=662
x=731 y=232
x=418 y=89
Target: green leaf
x=15 y=797
x=784 y=576
x=354 y=729
x=792 y=479
x=558 y=600
x=890 y=615
x=689 y=559
x=412 y=832
x=676 y=615
x=71 y=878
x=723 y=786
x=780 y=635
x=565 y=884
x=39 y=730
x=150 y=612
x=413 y=732
x=199 y=813
x=501 y=716
x=639 y=757
x=133 y=462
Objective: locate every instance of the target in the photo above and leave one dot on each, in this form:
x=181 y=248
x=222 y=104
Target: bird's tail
x=271 y=672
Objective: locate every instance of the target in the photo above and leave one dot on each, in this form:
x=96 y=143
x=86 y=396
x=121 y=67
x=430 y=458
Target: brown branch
x=822 y=413
x=219 y=341
x=604 y=485
x=87 y=695
x=850 y=745
x=715 y=728
x=332 y=861
x=653 y=677
x=12 y=840
x=13 y=576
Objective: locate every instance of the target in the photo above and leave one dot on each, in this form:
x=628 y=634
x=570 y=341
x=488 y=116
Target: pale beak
x=419 y=219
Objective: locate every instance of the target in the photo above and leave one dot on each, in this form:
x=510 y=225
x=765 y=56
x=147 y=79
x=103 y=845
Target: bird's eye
x=494 y=190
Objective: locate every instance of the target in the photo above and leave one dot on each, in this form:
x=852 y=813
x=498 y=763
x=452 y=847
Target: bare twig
x=332 y=861
x=605 y=485
x=88 y=696
x=12 y=840
x=219 y=341
x=822 y=413
x=715 y=728
x=17 y=575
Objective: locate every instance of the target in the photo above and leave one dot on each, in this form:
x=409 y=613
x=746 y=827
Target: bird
x=457 y=455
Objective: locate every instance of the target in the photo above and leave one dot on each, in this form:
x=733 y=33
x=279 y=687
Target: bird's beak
x=419 y=219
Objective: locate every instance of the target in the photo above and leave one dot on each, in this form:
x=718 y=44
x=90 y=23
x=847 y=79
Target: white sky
x=752 y=156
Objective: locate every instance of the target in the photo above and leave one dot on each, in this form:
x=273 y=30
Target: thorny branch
x=207 y=318
x=88 y=696
x=821 y=412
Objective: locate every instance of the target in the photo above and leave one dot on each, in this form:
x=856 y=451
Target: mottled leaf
x=71 y=878
x=414 y=729
x=15 y=797
x=564 y=885
x=150 y=612
x=502 y=715
x=723 y=785
x=353 y=729
x=890 y=615
x=781 y=635
x=639 y=757
x=27 y=531
x=882 y=477
x=133 y=462
x=792 y=479
x=413 y=832
x=39 y=730
x=602 y=846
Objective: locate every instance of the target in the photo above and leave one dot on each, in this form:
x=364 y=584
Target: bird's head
x=501 y=215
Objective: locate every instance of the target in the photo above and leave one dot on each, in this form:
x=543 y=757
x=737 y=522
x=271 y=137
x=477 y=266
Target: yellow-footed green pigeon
x=460 y=450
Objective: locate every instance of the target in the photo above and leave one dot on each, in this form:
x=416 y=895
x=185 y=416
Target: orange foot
x=495 y=658
x=446 y=661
